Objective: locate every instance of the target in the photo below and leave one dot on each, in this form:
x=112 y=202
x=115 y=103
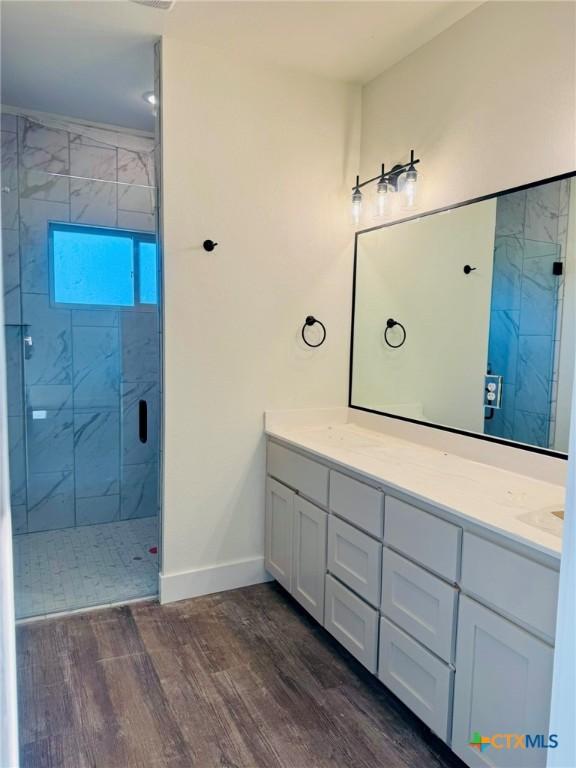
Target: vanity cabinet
x=503 y=685
x=457 y=622
x=295 y=546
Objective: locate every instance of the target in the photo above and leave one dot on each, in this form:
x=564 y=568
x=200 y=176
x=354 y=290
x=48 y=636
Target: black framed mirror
x=464 y=318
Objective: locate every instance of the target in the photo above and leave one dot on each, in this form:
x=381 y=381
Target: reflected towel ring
x=391 y=323
x=311 y=320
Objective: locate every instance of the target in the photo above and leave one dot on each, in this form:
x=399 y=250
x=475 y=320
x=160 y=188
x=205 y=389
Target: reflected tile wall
x=526 y=304
x=75 y=456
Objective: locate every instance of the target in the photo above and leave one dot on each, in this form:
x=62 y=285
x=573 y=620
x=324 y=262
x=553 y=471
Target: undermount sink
x=550 y=520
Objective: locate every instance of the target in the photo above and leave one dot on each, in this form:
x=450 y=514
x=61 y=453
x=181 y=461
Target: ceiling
x=94 y=60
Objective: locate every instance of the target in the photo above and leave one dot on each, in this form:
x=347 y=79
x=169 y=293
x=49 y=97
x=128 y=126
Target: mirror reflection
x=465 y=318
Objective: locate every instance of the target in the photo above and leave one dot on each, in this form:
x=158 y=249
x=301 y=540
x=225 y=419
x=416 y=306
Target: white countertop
x=513 y=505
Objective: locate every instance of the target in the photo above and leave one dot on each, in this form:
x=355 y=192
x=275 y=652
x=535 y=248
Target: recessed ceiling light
x=150 y=97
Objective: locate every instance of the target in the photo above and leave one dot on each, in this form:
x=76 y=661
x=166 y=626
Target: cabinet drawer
x=358 y=503
x=418 y=678
x=423 y=537
x=306 y=476
x=420 y=603
x=519 y=587
x=355 y=559
x=352 y=622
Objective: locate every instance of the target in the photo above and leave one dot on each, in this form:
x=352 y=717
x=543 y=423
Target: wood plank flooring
x=240 y=679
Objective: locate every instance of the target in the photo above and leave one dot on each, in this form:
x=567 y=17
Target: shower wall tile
x=96 y=368
x=93 y=202
x=50 y=501
x=564 y=205
x=507 y=274
x=97 y=453
x=136 y=169
x=137 y=222
x=542 y=205
x=534 y=374
x=50 y=441
x=139 y=490
x=538 y=296
x=14 y=378
x=99 y=317
x=133 y=451
x=50 y=357
x=140 y=346
x=19 y=519
x=9 y=173
x=531 y=428
x=510 y=214
x=503 y=344
x=43 y=185
x=35 y=216
x=9 y=122
x=11 y=276
x=17 y=459
x=93 y=162
x=42 y=147
x=100 y=509
x=43 y=152
x=52 y=397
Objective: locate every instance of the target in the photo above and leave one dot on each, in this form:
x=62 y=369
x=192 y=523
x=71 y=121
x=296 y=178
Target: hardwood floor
x=237 y=679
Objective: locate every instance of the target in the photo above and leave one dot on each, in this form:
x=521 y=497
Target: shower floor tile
x=81 y=567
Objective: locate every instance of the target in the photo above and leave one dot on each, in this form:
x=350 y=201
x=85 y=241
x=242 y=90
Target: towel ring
x=311 y=320
x=391 y=323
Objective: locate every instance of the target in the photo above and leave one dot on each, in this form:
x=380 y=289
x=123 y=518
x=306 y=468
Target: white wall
x=413 y=272
x=260 y=160
x=487 y=105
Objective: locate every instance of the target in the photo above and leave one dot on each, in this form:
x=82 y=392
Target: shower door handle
x=143 y=421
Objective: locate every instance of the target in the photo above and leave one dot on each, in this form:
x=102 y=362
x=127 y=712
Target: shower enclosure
x=83 y=339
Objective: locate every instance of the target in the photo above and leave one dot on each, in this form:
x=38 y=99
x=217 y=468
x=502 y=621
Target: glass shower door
x=83 y=345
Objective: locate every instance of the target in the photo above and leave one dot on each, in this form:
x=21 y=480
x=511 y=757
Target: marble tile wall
x=531 y=230
x=75 y=456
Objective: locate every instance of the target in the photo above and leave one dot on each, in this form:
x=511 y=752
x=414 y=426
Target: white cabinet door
x=278 y=554
x=309 y=557
x=503 y=682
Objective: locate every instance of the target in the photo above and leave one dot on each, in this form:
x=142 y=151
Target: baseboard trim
x=215 y=578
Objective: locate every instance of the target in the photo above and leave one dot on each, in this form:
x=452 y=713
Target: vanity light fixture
x=401 y=178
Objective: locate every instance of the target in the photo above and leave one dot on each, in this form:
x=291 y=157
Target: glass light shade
x=356 y=206
x=409 y=187
x=381 y=198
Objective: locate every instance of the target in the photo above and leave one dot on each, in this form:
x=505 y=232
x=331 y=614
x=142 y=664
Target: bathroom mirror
x=465 y=318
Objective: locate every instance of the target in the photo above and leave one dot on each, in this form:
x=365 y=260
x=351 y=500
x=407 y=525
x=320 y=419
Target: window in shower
x=103 y=268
